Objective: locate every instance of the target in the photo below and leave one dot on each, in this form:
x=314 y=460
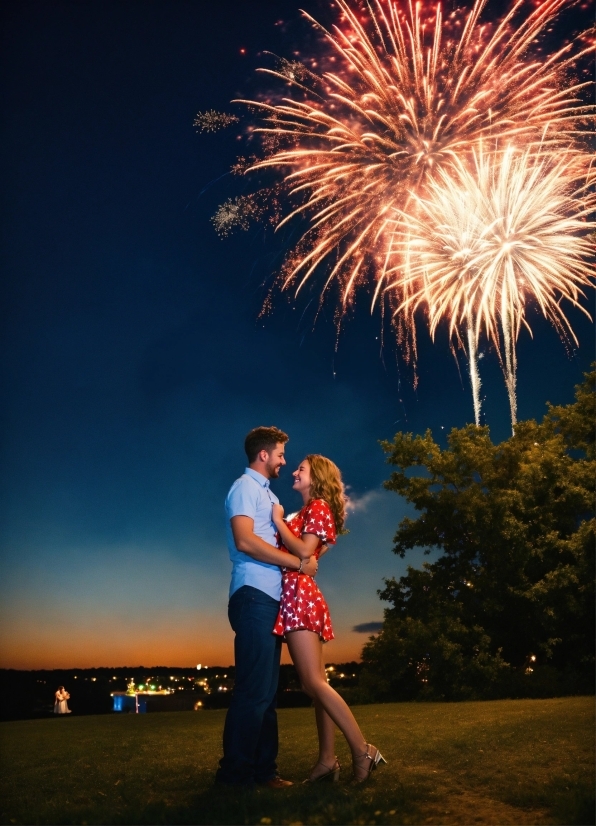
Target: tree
x=511 y=596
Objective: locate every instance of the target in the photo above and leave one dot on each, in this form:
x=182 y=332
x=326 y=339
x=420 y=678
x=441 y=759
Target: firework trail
x=490 y=238
x=408 y=92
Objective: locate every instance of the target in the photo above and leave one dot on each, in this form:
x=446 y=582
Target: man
x=250 y=733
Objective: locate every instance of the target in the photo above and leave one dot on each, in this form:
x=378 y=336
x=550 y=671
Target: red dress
x=302 y=605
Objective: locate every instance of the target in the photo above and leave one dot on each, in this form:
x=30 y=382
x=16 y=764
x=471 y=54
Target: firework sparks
x=494 y=236
x=234 y=213
x=240 y=212
x=413 y=93
x=213 y=121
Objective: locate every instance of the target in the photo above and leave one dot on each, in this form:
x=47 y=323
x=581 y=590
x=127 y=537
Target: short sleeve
x=319 y=520
x=242 y=499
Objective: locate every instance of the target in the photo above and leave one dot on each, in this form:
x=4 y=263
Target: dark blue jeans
x=250 y=731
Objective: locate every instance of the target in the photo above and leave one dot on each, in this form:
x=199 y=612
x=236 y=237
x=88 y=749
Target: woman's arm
x=303 y=547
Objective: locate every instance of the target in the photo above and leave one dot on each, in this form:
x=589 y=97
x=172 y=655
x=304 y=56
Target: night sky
x=133 y=359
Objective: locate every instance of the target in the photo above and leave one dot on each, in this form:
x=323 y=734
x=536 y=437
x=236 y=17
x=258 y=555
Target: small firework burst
x=213 y=121
x=235 y=213
x=240 y=212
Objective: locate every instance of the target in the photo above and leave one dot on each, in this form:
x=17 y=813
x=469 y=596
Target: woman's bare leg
x=304 y=647
x=325 y=725
x=326 y=732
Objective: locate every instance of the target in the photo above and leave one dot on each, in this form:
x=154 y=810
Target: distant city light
x=199 y=666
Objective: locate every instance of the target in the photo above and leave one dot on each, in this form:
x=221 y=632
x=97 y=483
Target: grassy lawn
x=506 y=762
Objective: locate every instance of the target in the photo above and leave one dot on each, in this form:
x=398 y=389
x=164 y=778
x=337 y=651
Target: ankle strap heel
x=374 y=760
x=330 y=773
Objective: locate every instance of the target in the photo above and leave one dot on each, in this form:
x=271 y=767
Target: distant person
x=60 y=704
x=303 y=617
x=250 y=741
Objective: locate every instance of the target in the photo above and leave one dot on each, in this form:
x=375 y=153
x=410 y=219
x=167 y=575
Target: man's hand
x=310 y=566
x=249 y=543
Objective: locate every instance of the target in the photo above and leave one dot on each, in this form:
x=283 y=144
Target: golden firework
x=493 y=237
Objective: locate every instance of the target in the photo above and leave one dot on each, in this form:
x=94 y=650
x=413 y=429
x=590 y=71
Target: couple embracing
x=273 y=597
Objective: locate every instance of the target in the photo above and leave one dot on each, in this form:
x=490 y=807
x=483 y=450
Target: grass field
x=505 y=762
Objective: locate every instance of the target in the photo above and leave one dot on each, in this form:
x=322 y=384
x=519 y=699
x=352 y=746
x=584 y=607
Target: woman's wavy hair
x=326 y=483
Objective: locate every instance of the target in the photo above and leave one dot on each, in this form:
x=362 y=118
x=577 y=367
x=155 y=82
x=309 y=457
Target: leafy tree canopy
x=509 y=604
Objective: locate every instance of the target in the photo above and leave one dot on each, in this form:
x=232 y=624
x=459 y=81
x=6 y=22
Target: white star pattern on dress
x=302 y=605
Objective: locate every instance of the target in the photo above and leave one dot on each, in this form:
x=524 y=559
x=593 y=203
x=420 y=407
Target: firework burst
x=412 y=93
x=213 y=121
x=492 y=237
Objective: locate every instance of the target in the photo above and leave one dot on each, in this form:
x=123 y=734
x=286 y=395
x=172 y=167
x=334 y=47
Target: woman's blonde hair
x=326 y=483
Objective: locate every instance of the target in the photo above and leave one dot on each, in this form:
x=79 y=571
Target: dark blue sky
x=133 y=360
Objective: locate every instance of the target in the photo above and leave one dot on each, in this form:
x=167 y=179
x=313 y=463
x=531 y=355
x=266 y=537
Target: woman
x=304 y=618
x=60 y=704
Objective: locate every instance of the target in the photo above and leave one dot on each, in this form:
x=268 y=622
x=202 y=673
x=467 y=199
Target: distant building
x=142 y=701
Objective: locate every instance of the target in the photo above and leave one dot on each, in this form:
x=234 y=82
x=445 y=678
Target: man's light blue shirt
x=250 y=495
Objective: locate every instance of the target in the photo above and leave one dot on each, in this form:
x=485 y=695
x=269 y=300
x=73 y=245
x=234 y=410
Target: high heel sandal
x=332 y=774
x=372 y=765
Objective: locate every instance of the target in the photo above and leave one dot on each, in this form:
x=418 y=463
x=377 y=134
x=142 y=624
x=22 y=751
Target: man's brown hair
x=263 y=438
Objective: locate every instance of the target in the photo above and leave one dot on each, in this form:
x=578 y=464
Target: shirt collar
x=258 y=477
